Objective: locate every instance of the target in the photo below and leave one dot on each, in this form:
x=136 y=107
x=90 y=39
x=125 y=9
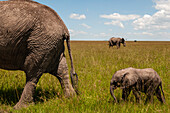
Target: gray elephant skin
x=138 y=80
x=32 y=40
x=116 y=41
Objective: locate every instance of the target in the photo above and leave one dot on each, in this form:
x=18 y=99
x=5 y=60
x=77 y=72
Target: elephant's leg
x=137 y=95
x=118 y=45
x=159 y=96
x=151 y=90
x=125 y=93
x=63 y=77
x=149 y=94
x=28 y=92
x=34 y=67
x=148 y=98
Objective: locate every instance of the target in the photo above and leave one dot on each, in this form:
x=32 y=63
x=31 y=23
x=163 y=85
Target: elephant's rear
x=29 y=29
x=15 y=29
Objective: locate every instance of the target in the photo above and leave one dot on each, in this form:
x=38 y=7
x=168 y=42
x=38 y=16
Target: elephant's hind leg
x=159 y=96
x=63 y=77
x=150 y=92
x=136 y=92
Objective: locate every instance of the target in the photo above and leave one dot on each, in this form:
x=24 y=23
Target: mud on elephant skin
x=138 y=80
x=32 y=40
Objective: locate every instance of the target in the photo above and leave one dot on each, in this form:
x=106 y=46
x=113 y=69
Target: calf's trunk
x=112 y=92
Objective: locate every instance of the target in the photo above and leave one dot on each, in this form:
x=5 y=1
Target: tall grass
x=95 y=64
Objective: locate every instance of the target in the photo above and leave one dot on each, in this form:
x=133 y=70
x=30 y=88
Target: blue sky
x=103 y=19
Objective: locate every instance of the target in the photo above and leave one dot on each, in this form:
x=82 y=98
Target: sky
x=142 y=20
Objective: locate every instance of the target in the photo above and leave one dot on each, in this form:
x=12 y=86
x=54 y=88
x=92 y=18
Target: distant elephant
x=116 y=41
x=32 y=40
x=138 y=80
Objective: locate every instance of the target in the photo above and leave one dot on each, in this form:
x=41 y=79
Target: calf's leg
x=137 y=95
x=159 y=96
x=125 y=93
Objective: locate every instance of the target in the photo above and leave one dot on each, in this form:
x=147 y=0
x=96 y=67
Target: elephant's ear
x=129 y=79
x=123 y=77
x=123 y=40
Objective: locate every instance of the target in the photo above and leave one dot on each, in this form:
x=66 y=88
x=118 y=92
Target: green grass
x=95 y=64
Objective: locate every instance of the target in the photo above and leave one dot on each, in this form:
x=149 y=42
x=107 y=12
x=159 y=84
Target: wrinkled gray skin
x=32 y=39
x=116 y=41
x=138 y=80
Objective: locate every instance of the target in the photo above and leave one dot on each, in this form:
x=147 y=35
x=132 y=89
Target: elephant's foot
x=67 y=87
x=69 y=91
x=27 y=96
x=20 y=105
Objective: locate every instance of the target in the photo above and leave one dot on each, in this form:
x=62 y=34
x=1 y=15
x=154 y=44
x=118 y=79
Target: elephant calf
x=138 y=80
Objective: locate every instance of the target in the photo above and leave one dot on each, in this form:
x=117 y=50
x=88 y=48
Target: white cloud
x=165 y=35
x=115 y=23
x=71 y=30
x=117 y=19
x=162 y=5
x=147 y=33
x=75 y=33
x=117 y=16
x=101 y=35
x=159 y=20
x=85 y=25
x=141 y=33
x=77 y=16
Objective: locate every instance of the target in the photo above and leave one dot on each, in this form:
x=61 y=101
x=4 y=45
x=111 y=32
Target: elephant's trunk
x=111 y=92
x=124 y=44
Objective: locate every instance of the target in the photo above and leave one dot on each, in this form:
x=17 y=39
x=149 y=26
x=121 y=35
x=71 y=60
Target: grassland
x=95 y=64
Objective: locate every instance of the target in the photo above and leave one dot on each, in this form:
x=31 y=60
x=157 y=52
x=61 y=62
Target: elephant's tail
x=162 y=92
x=74 y=76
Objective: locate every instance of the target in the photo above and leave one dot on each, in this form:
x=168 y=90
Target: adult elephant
x=116 y=41
x=32 y=39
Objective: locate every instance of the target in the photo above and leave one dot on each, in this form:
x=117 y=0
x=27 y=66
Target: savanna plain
x=95 y=63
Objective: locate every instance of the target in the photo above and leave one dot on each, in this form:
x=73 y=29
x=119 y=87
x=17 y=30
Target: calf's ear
x=123 y=77
x=125 y=80
x=130 y=79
